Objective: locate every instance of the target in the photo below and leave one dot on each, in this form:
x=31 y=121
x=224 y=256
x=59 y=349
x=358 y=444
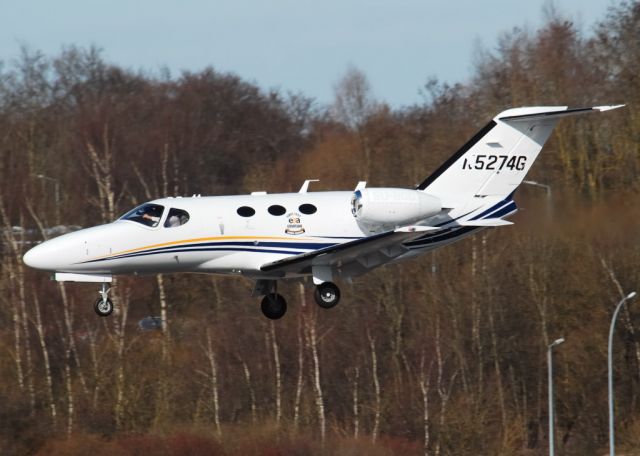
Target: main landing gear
x=274 y=306
x=327 y=295
x=103 y=305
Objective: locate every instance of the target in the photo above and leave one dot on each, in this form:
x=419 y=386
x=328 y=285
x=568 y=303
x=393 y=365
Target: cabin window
x=176 y=217
x=276 y=209
x=307 y=209
x=246 y=211
x=148 y=214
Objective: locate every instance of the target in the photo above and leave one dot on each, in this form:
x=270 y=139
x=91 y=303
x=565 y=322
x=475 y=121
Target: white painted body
x=471 y=191
x=215 y=239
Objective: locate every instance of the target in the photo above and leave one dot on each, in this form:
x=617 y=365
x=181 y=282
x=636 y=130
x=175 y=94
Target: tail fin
x=496 y=160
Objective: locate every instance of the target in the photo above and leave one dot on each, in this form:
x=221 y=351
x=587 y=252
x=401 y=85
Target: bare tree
x=311 y=337
x=301 y=358
x=356 y=401
x=278 y=371
x=377 y=410
x=353 y=105
x=213 y=376
x=425 y=386
x=45 y=357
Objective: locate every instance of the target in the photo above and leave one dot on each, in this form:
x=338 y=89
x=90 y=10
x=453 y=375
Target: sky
x=290 y=45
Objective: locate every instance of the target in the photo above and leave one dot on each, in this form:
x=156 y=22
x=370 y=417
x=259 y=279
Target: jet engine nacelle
x=385 y=208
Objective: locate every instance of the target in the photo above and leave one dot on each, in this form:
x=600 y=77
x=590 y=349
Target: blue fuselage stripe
x=293 y=248
x=200 y=249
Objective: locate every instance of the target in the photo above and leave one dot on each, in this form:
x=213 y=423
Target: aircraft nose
x=36 y=257
x=51 y=255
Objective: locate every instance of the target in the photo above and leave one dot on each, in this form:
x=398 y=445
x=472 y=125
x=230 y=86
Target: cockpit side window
x=147 y=214
x=176 y=217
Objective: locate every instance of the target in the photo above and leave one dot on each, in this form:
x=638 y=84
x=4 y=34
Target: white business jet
x=325 y=235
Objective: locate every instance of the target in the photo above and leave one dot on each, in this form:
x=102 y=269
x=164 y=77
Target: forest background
x=443 y=355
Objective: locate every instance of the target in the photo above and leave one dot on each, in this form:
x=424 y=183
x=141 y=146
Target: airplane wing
x=356 y=256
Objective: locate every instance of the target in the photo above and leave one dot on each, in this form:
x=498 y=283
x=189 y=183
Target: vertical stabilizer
x=495 y=161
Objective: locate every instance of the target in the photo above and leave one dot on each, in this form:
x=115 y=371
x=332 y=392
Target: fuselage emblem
x=294 y=226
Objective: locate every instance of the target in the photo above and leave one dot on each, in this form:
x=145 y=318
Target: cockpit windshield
x=147 y=214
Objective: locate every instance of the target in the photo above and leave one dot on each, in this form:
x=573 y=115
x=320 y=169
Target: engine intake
x=386 y=208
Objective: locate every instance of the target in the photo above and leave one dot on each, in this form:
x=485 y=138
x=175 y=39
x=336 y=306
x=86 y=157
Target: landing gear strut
x=103 y=305
x=327 y=295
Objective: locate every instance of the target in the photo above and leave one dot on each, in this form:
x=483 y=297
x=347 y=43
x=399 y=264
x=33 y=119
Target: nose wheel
x=327 y=295
x=103 y=305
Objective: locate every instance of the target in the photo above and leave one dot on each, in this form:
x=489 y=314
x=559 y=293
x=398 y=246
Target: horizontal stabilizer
x=486 y=222
x=553 y=112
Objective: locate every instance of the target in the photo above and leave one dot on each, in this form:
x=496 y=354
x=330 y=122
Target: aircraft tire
x=273 y=306
x=103 y=308
x=327 y=295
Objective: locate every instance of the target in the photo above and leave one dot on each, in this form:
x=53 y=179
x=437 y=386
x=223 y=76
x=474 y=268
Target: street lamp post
x=612 y=444
x=551 y=402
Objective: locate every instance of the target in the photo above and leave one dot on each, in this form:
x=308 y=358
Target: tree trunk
x=69 y=390
x=312 y=342
x=214 y=383
x=252 y=393
x=376 y=388
x=425 y=384
x=476 y=317
x=121 y=302
x=278 y=372
x=356 y=406
x=498 y=371
x=95 y=367
x=444 y=391
x=17 y=333
x=45 y=359
x=300 y=381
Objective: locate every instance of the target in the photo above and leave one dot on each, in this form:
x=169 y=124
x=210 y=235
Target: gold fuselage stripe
x=217 y=238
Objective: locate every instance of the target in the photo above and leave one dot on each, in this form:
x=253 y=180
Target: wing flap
x=368 y=252
x=486 y=222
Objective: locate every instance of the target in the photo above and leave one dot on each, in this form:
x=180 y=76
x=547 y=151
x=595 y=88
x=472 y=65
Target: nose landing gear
x=103 y=305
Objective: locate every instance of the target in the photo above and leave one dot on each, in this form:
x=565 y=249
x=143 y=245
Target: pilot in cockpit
x=153 y=218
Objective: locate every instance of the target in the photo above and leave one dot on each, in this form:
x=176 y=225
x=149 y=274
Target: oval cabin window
x=307 y=209
x=246 y=211
x=276 y=209
x=176 y=217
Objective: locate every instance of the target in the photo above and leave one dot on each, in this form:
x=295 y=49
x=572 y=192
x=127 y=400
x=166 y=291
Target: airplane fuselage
x=215 y=239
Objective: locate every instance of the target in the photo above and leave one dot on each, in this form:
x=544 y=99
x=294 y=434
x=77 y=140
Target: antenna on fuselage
x=305 y=186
